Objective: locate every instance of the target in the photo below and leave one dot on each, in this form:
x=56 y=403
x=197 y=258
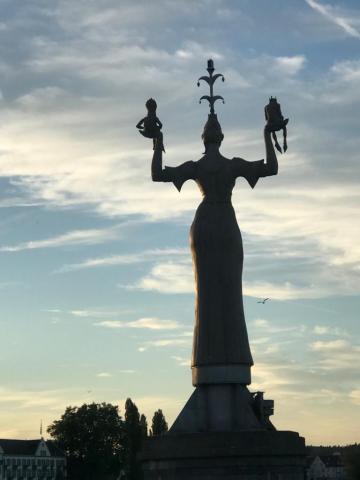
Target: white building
x=326 y=467
x=31 y=460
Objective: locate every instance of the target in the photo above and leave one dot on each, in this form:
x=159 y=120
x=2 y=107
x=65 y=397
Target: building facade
x=31 y=460
x=326 y=467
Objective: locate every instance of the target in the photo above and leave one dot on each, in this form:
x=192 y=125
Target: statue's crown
x=210 y=80
x=212 y=130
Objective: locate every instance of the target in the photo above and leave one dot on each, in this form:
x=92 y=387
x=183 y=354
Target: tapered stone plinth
x=245 y=455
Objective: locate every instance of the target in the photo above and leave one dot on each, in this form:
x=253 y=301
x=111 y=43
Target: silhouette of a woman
x=221 y=349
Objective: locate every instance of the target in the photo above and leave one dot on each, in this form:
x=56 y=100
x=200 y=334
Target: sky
x=96 y=281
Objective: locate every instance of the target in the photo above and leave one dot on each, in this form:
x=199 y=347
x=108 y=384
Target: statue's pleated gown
x=220 y=335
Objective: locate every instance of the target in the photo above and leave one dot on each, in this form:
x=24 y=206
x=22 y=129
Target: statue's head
x=151 y=105
x=212 y=131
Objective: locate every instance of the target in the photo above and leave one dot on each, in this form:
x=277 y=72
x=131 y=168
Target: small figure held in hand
x=276 y=122
x=150 y=126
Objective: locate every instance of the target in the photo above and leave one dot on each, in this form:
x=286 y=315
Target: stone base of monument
x=224 y=408
x=245 y=455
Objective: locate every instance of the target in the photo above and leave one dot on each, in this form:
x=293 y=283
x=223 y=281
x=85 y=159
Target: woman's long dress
x=220 y=335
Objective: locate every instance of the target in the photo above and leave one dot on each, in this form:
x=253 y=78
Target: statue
x=150 y=125
x=223 y=430
x=276 y=121
x=221 y=345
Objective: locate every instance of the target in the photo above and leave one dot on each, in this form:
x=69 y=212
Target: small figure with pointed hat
x=150 y=126
x=276 y=122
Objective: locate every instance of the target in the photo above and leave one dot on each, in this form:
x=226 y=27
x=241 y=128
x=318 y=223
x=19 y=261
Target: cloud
x=33 y=399
x=290 y=65
x=66 y=160
x=154 y=324
x=280 y=291
x=104 y=375
x=320 y=346
x=268 y=327
x=194 y=50
x=92 y=313
x=141 y=323
x=347 y=70
x=355 y=396
x=165 y=342
x=336 y=355
x=329 y=330
x=168 y=278
x=125 y=259
x=181 y=361
x=331 y=13
x=75 y=237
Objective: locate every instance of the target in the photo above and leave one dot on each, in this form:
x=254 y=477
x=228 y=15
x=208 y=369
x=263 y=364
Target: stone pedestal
x=224 y=408
x=224 y=431
x=243 y=455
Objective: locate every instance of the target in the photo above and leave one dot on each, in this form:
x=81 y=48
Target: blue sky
x=96 y=282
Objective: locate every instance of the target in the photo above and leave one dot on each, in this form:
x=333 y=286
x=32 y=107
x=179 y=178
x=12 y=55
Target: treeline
x=330 y=449
x=349 y=453
x=100 y=444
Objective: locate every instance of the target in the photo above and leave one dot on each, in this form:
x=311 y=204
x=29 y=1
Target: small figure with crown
x=150 y=126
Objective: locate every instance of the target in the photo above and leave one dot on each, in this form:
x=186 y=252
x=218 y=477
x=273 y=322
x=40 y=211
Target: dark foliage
x=92 y=437
x=159 y=425
x=352 y=461
x=99 y=445
x=135 y=431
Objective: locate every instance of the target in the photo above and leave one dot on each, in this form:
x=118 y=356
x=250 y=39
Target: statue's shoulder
x=239 y=163
x=237 y=160
x=213 y=164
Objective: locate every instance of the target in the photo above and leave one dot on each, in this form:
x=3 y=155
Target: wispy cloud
x=49 y=399
x=165 y=342
x=124 y=259
x=335 y=17
x=332 y=345
x=268 y=327
x=141 y=323
x=329 y=330
x=104 y=375
x=75 y=237
x=182 y=361
x=336 y=355
x=92 y=313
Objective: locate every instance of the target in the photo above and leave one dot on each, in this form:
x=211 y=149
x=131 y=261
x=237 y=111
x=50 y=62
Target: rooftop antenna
x=41 y=428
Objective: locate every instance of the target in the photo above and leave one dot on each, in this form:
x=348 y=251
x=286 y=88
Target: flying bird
x=263 y=301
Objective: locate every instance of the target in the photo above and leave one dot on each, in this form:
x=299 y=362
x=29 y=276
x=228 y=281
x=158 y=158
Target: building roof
x=27 y=447
x=55 y=451
x=334 y=460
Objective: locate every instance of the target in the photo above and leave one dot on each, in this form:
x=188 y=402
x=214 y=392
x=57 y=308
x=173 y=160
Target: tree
x=143 y=425
x=159 y=425
x=352 y=461
x=135 y=431
x=92 y=437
